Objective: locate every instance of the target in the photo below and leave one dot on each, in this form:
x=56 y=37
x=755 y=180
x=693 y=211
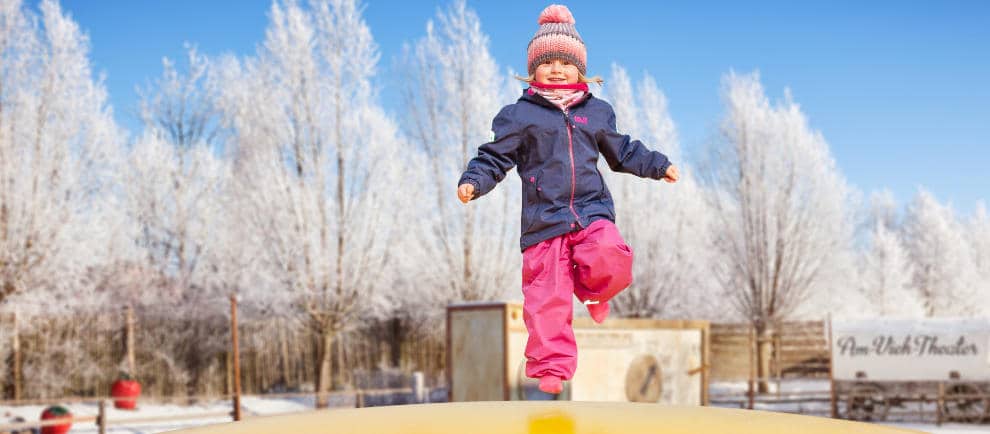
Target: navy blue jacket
x=556 y=154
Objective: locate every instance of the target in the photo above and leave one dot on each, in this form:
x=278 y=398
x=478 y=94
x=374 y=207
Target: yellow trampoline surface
x=545 y=417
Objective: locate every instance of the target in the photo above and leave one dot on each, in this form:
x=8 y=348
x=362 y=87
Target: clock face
x=528 y=389
x=644 y=379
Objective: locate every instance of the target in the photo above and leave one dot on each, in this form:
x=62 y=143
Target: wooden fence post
x=939 y=404
x=18 y=358
x=101 y=419
x=833 y=394
x=777 y=357
x=237 y=357
x=750 y=391
x=16 y=361
x=129 y=340
x=706 y=362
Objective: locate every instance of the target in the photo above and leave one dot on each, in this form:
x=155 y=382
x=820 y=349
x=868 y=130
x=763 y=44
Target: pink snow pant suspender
x=592 y=264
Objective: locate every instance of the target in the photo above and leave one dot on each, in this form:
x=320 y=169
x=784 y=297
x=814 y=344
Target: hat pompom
x=556 y=14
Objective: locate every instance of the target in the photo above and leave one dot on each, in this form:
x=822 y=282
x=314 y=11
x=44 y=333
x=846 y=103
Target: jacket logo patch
x=581 y=119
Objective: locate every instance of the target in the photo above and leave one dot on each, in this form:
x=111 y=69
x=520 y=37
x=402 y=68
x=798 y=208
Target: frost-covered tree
x=784 y=233
x=944 y=277
x=452 y=90
x=176 y=183
x=59 y=147
x=666 y=226
x=319 y=165
x=175 y=178
x=885 y=276
x=175 y=201
x=978 y=231
x=885 y=271
x=58 y=142
x=180 y=107
x=883 y=211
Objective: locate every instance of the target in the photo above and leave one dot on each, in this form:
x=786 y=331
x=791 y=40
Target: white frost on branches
x=58 y=151
x=944 y=276
x=668 y=226
x=452 y=90
x=784 y=231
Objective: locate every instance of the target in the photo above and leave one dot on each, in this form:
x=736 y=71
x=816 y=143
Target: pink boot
x=598 y=310
x=551 y=384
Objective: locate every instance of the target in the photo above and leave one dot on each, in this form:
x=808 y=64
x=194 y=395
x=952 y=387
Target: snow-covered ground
x=251 y=406
x=255 y=406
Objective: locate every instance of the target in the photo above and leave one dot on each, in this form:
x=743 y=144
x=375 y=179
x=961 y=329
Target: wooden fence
x=799 y=350
x=278 y=356
x=279 y=359
x=47 y=357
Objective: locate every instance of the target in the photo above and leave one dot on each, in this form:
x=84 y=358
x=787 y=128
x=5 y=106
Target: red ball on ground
x=56 y=412
x=125 y=388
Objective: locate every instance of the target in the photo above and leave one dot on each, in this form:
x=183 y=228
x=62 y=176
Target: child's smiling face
x=556 y=71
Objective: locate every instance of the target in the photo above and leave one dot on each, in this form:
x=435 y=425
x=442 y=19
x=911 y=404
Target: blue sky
x=899 y=89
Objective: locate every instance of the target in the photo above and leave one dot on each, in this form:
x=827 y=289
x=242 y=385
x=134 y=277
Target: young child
x=553 y=134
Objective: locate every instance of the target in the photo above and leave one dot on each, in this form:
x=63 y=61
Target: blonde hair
x=581 y=79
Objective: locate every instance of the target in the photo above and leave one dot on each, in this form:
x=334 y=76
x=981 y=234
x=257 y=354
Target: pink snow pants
x=592 y=264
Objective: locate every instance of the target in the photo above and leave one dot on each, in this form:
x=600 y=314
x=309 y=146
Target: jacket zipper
x=570 y=151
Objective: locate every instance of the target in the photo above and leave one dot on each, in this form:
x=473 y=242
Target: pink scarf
x=562 y=95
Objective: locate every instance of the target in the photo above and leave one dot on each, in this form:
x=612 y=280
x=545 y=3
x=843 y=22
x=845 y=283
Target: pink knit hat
x=556 y=39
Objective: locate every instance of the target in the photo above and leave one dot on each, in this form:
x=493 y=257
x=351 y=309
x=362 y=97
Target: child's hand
x=672 y=174
x=465 y=192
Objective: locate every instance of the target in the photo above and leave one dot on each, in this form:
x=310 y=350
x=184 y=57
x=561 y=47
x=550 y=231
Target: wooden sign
x=911 y=350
